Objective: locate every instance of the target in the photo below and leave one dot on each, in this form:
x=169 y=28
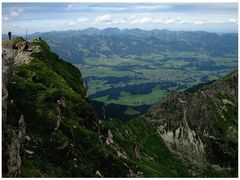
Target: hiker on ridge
x=9 y=35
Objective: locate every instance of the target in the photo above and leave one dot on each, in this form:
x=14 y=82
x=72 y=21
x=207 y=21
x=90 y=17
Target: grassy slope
x=155 y=159
x=225 y=122
x=212 y=114
x=72 y=150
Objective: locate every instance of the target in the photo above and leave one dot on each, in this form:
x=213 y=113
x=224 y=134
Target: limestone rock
x=28 y=151
x=98 y=174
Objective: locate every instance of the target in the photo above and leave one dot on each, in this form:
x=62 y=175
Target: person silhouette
x=9 y=35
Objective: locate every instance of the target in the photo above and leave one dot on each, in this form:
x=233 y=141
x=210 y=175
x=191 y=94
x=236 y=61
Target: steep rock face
x=202 y=126
x=143 y=146
x=13 y=133
x=50 y=128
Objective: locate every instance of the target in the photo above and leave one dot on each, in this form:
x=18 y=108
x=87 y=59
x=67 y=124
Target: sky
x=43 y=17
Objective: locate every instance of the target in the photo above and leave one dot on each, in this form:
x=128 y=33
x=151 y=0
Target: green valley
x=104 y=77
x=136 y=67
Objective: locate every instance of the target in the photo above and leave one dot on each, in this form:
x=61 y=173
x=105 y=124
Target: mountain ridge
x=207 y=117
x=60 y=124
x=109 y=42
x=49 y=120
x=116 y=29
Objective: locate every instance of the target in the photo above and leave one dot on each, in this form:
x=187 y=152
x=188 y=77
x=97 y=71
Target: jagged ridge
x=202 y=126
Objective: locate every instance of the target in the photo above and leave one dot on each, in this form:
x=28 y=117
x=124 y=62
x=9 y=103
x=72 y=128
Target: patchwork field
x=145 y=80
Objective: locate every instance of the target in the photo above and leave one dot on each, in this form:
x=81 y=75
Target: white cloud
x=139 y=20
x=78 y=21
x=183 y=21
x=153 y=7
x=147 y=20
x=131 y=17
x=180 y=20
x=69 y=6
x=232 y=20
x=144 y=20
x=82 y=20
x=223 y=21
x=167 y=21
x=5 y=18
x=119 y=21
x=16 y=11
x=105 y=18
x=199 y=22
x=14 y=14
x=170 y=21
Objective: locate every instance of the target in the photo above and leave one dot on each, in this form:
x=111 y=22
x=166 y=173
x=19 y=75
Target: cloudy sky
x=42 y=17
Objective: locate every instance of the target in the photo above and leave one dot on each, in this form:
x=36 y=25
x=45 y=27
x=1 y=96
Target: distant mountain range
x=75 y=45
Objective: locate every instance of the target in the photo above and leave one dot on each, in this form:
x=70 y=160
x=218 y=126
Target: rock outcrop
x=201 y=126
x=14 y=54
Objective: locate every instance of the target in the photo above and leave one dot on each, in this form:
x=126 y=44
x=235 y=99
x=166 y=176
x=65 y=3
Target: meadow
x=148 y=79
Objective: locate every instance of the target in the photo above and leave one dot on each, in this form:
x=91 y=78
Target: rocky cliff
x=13 y=135
x=191 y=133
x=202 y=126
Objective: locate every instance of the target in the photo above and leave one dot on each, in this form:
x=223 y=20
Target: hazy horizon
x=121 y=29
x=45 y=17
